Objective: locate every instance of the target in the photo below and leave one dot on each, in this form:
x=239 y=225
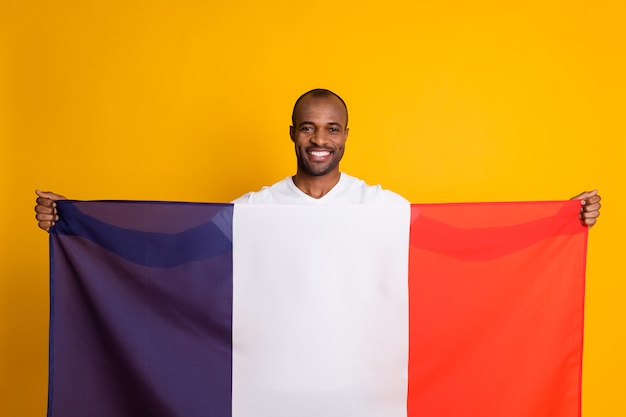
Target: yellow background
x=191 y=101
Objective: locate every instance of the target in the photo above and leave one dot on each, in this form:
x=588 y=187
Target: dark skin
x=319 y=135
x=319 y=138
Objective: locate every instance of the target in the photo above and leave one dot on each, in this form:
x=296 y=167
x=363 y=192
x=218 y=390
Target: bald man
x=319 y=132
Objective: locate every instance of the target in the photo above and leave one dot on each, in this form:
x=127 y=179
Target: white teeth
x=320 y=153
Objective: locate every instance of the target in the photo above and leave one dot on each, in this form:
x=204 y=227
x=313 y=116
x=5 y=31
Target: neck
x=316 y=186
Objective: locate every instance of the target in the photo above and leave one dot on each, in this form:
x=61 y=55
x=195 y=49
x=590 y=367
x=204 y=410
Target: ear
x=292 y=133
x=346 y=133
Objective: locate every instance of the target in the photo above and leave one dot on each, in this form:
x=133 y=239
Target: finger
x=593 y=200
x=39 y=208
x=591 y=207
x=584 y=195
x=590 y=201
x=46 y=225
x=42 y=201
x=589 y=214
x=46 y=217
x=50 y=195
x=589 y=222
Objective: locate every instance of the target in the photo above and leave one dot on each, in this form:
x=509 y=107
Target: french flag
x=218 y=310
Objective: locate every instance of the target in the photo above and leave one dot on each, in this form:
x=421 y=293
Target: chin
x=320 y=172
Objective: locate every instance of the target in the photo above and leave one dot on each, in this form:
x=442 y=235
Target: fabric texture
x=248 y=310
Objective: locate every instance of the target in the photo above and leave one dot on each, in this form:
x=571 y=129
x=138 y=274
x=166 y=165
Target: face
x=319 y=135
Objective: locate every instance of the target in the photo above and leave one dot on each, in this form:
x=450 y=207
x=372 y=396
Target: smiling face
x=319 y=134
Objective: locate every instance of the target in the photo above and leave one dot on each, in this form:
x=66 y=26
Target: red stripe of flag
x=496 y=309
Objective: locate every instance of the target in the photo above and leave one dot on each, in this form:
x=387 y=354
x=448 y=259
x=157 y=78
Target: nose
x=318 y=138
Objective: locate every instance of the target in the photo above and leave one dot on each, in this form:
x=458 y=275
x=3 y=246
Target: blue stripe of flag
x=124 y=300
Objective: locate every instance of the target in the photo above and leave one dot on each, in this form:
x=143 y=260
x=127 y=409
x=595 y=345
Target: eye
x=333 y=130
x=306 y=128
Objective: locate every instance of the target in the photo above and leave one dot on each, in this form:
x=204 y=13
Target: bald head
x=317 y=93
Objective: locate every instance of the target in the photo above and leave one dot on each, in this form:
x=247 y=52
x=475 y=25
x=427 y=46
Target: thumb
x=584 y=195
x=50 y=195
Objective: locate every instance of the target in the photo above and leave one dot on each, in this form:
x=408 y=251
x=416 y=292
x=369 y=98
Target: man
x=319 y=132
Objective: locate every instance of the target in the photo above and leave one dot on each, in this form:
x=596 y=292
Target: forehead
x=320 y=110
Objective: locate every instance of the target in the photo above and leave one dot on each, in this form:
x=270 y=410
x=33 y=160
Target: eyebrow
x=327 y=124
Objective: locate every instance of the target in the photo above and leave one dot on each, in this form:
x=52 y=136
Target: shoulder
x=270 y=194
x=362 y=193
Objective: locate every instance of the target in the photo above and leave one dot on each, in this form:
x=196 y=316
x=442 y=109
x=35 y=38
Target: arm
x=46 y=209
x=589 y=207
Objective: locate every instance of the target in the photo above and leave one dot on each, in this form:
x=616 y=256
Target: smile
x=319 y=154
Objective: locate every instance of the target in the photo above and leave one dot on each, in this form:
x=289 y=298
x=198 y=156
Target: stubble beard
x=318 y=171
